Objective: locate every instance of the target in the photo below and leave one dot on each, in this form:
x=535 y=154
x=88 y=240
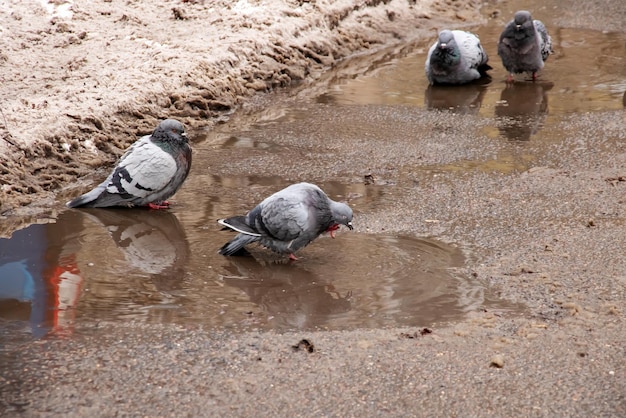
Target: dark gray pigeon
x=287 y=221
x=150 y=171
x=524 y=45
x=456 y=58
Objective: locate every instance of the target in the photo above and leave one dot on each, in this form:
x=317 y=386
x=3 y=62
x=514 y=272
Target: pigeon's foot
x=509 y=79
x=331 y=230
x=293 y=257
x=534 y=76
x=156 y=206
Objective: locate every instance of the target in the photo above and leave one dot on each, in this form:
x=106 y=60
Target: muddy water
x=162 y=267
x=587 y=73
x=149 y=266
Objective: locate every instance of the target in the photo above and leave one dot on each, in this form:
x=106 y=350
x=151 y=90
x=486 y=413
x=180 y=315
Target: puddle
x=587 y=73
x=116 y=264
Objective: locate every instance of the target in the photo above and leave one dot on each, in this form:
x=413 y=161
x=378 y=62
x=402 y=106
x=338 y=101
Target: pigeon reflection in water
x=152 y=242
x=465 y=99
x=522 y=109
x=289 y=294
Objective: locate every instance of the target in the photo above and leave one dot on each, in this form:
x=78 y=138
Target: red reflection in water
x=40 y=281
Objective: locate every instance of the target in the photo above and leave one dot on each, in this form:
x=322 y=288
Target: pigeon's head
x=170 y=130
x=523 y=20
x=342 y=214
x=446 y=40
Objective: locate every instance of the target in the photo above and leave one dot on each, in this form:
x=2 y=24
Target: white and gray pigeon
x=287 y=221
x=456 y=58
x=524 y=45
x=150 y=171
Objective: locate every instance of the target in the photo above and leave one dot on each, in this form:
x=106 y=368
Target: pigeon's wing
x=546 y=41
x=238 y=224
x=284 y=218
x=143 y=171
x=427 y=65
x=507 y=33
x=471 y=49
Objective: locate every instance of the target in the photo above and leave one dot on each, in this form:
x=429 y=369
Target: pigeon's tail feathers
x=86 y=200
x=237 y=244
x=483 y=68
x=238 y=224
x=99 y=198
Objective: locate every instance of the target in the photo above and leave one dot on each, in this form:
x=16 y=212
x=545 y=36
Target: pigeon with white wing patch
x=150 y=172
x=287 y=221
x=456 y=58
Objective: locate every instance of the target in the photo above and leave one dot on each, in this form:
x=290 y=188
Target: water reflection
x=466 y=98
x=45 y=268
x=242 y=141
x=289 y=295
x=135 y=263
x=121 y=264
x=354 y=281
x=152 y=242
x=522 y=109
x=40 y=281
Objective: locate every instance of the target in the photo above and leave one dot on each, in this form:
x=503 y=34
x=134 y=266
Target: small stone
x=461 y=332
x=497 y=361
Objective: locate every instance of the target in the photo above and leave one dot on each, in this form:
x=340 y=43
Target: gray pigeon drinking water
x=150 y=171
x=524 y=45
x=287 y=221
x=456 y=58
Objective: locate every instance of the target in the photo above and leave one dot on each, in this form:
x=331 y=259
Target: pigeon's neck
x=524 y=35
x=446 y=57
x=168 y=144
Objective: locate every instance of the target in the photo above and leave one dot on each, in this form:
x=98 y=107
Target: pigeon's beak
x=443 y=45
x=518 y=27
x=349 y=225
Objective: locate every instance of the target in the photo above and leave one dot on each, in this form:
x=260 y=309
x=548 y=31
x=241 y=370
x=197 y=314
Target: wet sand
x=551 y=237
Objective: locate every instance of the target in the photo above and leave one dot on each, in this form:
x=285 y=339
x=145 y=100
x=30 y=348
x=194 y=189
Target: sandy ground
x=80 y=81
x=551 y=237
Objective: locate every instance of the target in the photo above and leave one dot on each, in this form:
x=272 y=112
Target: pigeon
x=524 y=45
x=456 y=58
x=150 y=171
x=287 y=221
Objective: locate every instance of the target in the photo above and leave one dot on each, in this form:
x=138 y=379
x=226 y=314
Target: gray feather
x=524 y=44
x=456 y=58
x=237 y=244
x=288 y=220
x=150 y=171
